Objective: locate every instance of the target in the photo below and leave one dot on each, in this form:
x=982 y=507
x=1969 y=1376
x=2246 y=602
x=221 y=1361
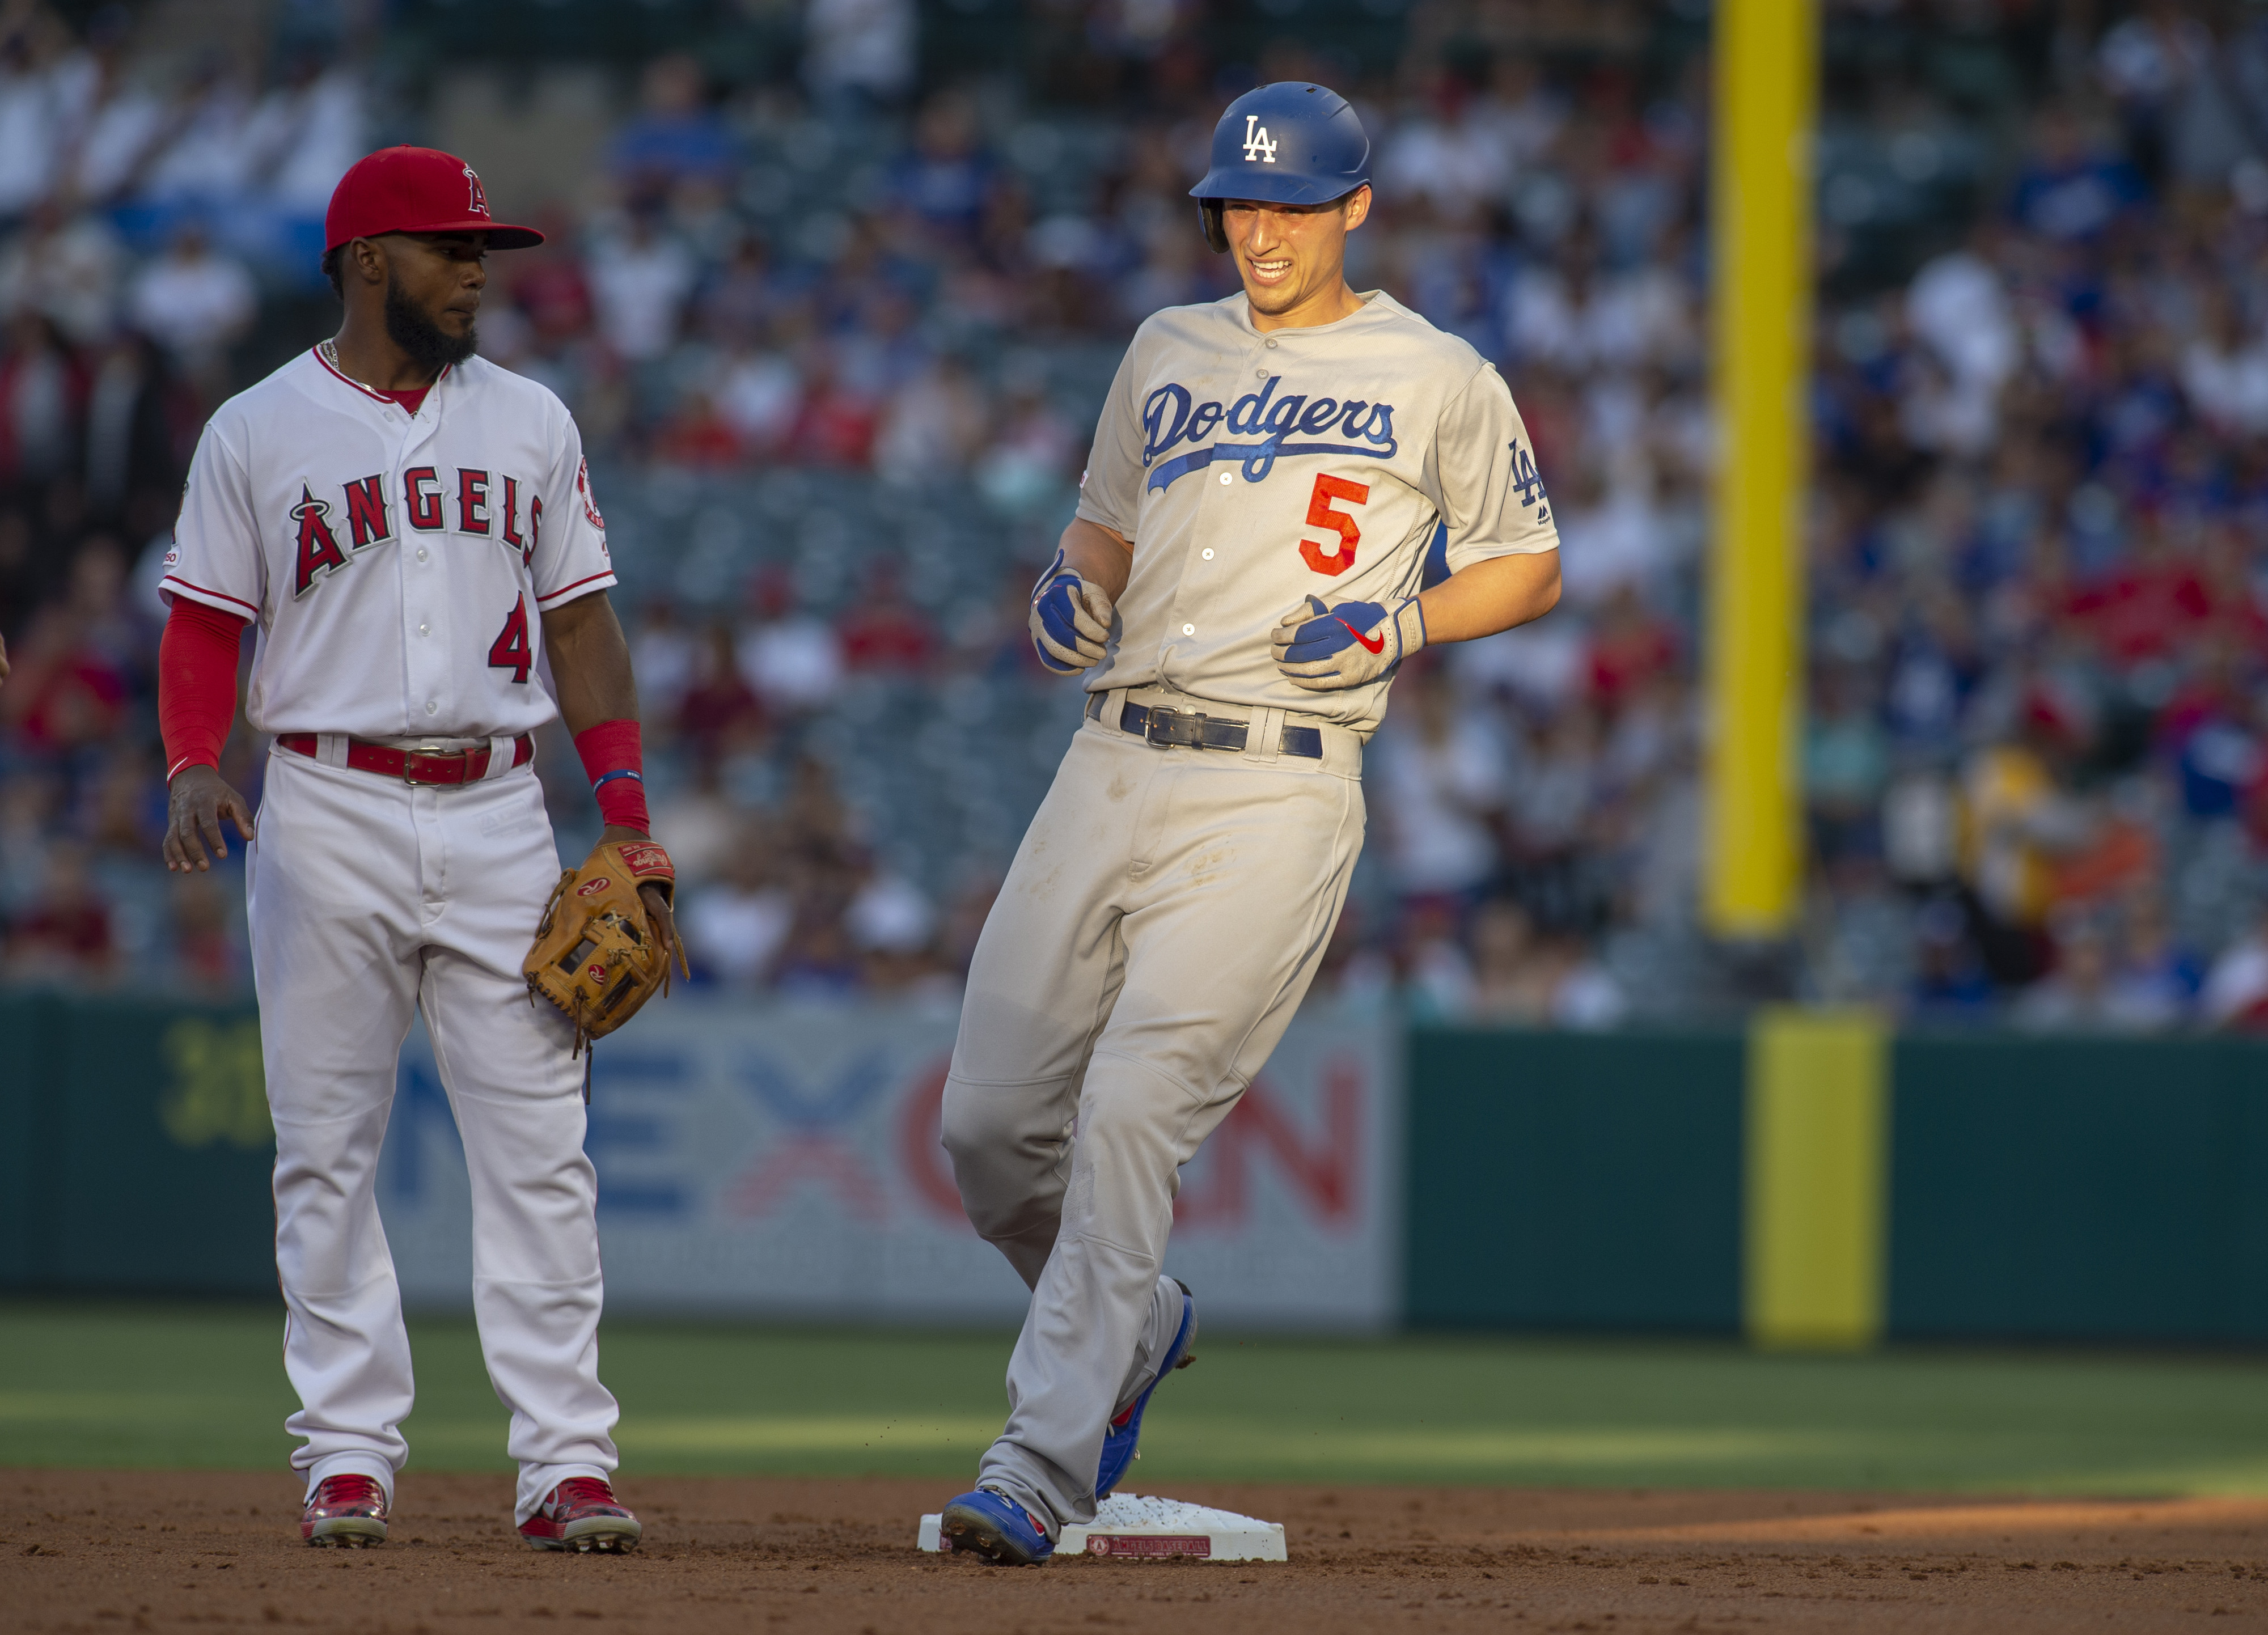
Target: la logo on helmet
x=480 y=205
x=1256 y=142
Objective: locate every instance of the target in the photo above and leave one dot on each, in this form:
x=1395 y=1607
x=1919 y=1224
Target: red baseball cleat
x=581 y=1513
x=349 y=1511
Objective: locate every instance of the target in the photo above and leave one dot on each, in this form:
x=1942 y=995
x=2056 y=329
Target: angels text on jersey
x=337 y=521
x=396 y=564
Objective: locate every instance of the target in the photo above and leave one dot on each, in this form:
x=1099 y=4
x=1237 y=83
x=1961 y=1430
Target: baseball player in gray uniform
x=1291 y=491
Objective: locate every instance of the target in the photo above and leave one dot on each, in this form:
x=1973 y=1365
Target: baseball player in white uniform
x=410 y=531
x=1247 y=565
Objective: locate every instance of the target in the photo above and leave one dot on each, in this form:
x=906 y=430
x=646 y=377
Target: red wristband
x=615 y=764
x=197 y=683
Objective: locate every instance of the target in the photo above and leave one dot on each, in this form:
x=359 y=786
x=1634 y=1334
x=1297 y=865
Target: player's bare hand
x=656 y=901
x=195 y=802
x=664 y=924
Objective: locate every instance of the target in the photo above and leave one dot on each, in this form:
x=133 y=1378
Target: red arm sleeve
x=197 y=683
x=616 y=761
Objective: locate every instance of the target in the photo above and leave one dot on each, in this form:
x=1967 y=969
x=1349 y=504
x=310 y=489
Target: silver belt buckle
x=1159 y=713
x=434 y=749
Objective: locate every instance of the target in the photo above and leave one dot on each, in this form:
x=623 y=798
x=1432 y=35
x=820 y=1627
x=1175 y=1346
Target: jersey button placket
x=428 y=676
x=1226 y=478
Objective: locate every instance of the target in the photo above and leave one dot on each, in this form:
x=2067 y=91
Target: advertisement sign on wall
x=783 y=1161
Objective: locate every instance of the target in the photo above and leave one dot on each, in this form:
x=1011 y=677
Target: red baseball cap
x=415 y=191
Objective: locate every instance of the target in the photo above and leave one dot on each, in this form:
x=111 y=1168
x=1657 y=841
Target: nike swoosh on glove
x=1325 y=649
x=1070 y=619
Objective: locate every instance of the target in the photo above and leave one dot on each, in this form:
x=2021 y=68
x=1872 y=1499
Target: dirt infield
x=89 y=1552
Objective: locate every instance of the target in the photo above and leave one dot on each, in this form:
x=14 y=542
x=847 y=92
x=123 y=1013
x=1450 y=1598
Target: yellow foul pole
x=1767 y=64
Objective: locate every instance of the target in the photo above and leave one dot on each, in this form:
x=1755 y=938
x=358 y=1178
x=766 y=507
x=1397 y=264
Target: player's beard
x=427 y=346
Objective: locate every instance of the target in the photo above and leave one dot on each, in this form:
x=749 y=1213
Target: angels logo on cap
x=415 y=190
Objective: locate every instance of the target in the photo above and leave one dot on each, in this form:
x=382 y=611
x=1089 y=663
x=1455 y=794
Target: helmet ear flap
x=1208 y=212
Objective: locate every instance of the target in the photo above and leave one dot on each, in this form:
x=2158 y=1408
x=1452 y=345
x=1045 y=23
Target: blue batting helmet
x=1290 y=143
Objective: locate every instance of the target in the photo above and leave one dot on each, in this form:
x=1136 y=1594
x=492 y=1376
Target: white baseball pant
x=1157 y=931
x=369 y=897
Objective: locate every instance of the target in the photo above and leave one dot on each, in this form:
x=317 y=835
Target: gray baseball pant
x=1157 y=931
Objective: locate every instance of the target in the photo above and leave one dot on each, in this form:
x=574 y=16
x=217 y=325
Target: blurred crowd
x=145 y=219
x=2034 y=755
x=837 y=340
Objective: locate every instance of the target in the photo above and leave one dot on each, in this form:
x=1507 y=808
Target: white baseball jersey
x=396 y=564
x=1251 y=468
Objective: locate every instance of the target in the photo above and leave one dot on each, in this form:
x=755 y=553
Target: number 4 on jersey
x=511 y=651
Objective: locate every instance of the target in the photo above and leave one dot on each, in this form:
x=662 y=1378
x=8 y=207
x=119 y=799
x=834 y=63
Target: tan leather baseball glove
x=596 y=956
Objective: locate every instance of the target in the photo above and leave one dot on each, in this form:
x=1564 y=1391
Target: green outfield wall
x=138 y=1148
x=1573 y=1180
x=2087 y=1189
x=2079 y=1188
x=1811 y=1179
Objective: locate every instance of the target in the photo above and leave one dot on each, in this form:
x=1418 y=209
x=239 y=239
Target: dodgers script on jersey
x=1251 y=468
x=396 y=564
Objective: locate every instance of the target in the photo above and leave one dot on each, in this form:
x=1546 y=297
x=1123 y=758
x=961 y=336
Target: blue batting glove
x=1326 y=648
x=1070 y=619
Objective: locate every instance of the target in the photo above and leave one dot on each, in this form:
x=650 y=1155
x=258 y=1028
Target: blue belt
x=1195 y=731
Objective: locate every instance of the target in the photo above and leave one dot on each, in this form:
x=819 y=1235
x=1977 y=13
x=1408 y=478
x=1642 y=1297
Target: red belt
x=414 y=766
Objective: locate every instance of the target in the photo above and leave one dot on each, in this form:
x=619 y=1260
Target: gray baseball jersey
x=1250 y=469
x=1170 y=904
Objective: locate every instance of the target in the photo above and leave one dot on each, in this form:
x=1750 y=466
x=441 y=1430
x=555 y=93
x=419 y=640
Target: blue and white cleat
x=1125 y=1431
x=997 y=1528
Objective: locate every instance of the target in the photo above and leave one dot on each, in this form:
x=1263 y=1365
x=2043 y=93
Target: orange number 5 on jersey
x=1320 y=515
